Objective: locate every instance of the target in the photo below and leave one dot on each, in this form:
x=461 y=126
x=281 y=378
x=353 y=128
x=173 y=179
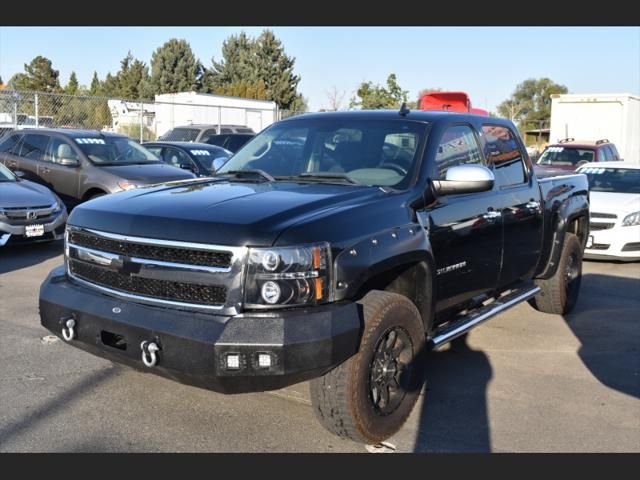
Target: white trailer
x=615 y=117
x=187 y=108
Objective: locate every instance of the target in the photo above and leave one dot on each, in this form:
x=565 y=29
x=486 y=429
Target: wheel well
x=91 y=192
x=579 y=226
x=412 y=281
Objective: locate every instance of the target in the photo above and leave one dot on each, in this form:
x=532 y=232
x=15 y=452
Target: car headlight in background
x=288 y=276
x=125 y=185
x=631 y=219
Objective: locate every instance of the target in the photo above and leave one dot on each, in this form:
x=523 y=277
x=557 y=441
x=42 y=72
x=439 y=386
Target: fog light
x=264 y=360
x=271 y=292
x=233 y=361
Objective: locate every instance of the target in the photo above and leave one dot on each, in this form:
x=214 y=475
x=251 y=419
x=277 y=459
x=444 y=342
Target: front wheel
x=369 y=397
x=559 y=293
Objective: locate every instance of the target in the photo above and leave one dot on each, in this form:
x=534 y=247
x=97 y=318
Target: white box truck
x=614 y=116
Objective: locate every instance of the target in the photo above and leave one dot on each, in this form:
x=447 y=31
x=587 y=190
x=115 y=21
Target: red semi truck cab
x=449 y=101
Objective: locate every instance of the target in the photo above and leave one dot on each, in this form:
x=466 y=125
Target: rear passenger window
x=504 y=155
x=605 y=154
x=614 y=152
x=59 y=150
x=10 y=144
x=458 y=146
x=33 y=146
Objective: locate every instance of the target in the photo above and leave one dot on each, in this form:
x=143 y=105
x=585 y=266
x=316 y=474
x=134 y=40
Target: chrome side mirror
x=468 y=178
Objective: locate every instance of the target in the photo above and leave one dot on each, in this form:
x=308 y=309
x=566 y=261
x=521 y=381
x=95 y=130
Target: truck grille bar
x=153 y=271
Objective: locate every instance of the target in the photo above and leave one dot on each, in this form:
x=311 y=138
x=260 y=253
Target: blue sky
x=486 y=62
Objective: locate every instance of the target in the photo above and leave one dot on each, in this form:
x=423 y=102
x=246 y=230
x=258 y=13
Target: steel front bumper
x=617 y=243
x=302 y=344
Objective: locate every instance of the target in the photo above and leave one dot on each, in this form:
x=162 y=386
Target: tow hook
x=149 y=350
x=68 y=332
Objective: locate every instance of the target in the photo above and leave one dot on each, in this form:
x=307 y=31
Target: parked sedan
x=200 y=158
x=83 y=164
x=614 y=226
x=231 y=141
x=28 y=212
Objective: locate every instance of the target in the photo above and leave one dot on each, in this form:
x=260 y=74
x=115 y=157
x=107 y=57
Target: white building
x=191 y=108
x=126 y=115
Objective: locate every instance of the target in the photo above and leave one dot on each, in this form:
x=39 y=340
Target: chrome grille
x=28 y=214
x=188 y=275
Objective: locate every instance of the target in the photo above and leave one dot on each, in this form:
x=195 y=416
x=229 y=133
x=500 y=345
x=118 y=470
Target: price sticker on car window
x=200 y=153
x=90 y=141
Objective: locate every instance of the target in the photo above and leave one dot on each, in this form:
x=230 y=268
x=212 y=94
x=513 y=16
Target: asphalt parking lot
x=523 y=382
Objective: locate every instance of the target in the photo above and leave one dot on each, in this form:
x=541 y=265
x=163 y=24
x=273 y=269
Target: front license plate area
x=34 y=231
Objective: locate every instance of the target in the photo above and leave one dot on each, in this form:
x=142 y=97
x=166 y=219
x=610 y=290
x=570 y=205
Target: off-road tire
x=343 y=399
x=559 y=293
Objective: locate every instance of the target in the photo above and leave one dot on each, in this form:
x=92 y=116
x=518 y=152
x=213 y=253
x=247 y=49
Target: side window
x=157 y=151
x=11 y=144
x=604 y=154
x=34 y=146
x=226 y=130
x=504 y=155
x=59 y=149
x=614 y=152
x=176 y=157
x=457 y=146
x=208 y=133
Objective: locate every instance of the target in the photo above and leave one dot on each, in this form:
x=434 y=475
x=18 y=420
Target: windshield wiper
x=327 y=176
x=249 y=171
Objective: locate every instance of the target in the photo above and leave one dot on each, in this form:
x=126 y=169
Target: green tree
x=1 y=84
x=174 y=68
x=256 y=61
x=96 y=86
x=39 y=76
x=530 y=104
x=73 y=86
x=133 y=79
x=373 y=97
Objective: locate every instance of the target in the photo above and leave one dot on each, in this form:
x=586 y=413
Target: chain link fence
x=140 y=120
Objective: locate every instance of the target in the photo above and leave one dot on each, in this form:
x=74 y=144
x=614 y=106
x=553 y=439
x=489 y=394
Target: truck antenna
x=403 y=109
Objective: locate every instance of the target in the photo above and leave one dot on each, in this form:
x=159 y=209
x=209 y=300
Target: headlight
x=288 y=276
x=125 y=185
x=631 y=219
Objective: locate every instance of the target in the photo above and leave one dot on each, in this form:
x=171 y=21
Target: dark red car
x=568 y=154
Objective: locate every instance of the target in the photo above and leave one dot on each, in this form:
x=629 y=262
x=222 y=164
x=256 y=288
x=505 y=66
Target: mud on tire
x=369 y=397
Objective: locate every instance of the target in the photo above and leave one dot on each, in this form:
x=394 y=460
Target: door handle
x=46 y=170
x=492 y=214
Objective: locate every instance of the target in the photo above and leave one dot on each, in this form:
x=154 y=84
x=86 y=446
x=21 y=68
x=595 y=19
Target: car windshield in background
x=566 y=156
x=115 y=151
x=618 y=180
x=6 y=175
x=211 y=158
x=181 y=135
x=367 y=152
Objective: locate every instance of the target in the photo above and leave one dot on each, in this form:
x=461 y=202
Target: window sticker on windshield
x=200 y=152
x=94 y=141
x=593 y=170
x=555 y=149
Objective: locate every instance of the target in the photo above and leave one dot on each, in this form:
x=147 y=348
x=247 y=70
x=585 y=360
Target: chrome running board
x=460 y=326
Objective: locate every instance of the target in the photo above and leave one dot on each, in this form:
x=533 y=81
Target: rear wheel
x=369 y=397
x=559 y=293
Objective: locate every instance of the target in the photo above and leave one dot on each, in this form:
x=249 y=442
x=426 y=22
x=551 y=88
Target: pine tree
x=174 y=68
x=73 y=86
x=39 y=76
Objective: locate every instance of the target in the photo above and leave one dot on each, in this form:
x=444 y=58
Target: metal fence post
x=15 y=110
x=219 y=120
x=36 y=107
x=141 y=121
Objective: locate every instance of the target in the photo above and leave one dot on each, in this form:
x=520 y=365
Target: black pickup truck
x=333 y=247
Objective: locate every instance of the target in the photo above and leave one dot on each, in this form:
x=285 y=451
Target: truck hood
x=149 y=173
x=218 y=211
x=24 y=194
x=611 y=202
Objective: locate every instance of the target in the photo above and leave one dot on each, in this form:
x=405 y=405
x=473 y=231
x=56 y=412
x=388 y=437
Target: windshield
x=6 y=175
x=211 y=158
x=566 y=156
x=181 y=135
x=618 y=180
x=110 y=150
x=368 y=152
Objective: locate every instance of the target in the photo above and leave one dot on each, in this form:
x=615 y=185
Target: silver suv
x=200 y=132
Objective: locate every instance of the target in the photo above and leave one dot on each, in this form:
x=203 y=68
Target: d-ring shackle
x=149 y=350
x=67 y=330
